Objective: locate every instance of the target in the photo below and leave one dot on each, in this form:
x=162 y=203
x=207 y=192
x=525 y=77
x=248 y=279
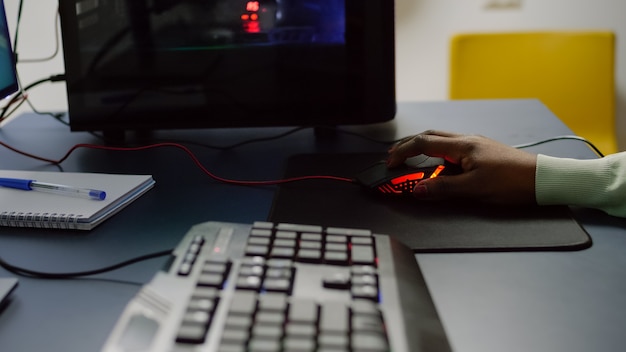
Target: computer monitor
x=8 y=75
x=164 y=64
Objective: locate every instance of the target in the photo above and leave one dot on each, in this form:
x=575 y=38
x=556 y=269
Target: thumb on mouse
x=436 y=188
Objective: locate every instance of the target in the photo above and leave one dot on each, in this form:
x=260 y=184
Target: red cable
x=189 y=153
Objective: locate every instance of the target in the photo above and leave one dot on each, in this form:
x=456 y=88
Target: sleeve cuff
x=595 y=183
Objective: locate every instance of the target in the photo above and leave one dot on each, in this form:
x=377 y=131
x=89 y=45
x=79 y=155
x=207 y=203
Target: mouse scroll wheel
x=407 y=178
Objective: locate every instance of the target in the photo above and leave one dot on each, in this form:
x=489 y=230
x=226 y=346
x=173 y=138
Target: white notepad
x=20 y=208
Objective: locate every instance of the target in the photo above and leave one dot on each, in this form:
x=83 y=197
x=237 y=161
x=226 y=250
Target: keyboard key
x=366 y=292
x=196 y=317
x=365 y=323
x=334 y=318
x=302 y=311
x=261 y=232
x=238 y=322
x=338 y=258
x=340 y=247
x=277 y=285
x=210 y=267
x=364 y=307
x=317 y=237
x=194 y=248
x=362 y=254
x=243 y=302
x=259 y=241
x=266 y=331
x=256 y=270
x=365 y=341
x=185 y=268
x=264 y=345
x=248 y=283
x=363 y=270
x=257 y=250
x=284 y=243
x=272 y=301
x=339 y=341
x=300 y=329
x=336 y=239
x=228 y=346
x=310 y=245
x=299 y=228
x=309 y=255
x=362 y=240
x=364 y=280
x=266 y=317
x=263 y=225
x=279 y=273
x=252 y=261
x=279 y=263
x=348 y=232
x=235 y=336
x=299 y=344
x=282 y=252
x=292 y=235
x=191 y=333
x=336 y=281
x=197 y=240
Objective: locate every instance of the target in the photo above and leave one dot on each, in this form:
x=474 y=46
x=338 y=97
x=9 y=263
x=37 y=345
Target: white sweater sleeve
x=596 y=183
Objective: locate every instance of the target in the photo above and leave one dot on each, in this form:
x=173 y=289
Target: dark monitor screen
x=8 y=76
x=160 y=64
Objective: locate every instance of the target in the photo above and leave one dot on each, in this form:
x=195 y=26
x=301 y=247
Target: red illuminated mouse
x=402 y=179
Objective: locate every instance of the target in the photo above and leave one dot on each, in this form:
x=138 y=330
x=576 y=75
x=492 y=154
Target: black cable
x=57 y=45
x=17 y=27
x=238 y=144
x=53 y=78
x=560 y=138
x=44 y=275
x=253 y=140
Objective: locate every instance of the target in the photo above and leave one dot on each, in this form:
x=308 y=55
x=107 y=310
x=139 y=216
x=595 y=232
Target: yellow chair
x=571 y=72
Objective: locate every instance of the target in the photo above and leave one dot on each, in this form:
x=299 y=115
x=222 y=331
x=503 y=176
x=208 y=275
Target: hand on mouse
x=492 y=172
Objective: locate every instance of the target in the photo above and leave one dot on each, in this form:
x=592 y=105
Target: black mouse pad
x=423 y=226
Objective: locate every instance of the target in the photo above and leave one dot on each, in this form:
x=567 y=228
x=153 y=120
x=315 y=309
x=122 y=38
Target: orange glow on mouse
x=386 y=188
x=410 y=177
x=437 y=171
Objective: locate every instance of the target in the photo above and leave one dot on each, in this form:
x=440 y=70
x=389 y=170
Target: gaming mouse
x=402 y=179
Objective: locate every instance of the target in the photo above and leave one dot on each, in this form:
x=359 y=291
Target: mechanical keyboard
x=282 y=287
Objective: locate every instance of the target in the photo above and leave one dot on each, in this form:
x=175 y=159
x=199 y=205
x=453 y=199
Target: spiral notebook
x=19 y=208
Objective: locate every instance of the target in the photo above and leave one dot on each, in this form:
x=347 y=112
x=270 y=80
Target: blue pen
x=33 y=185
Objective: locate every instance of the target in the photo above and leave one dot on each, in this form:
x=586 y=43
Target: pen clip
x=16 y=183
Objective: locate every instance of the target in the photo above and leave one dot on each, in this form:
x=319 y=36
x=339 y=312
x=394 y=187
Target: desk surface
x=542 y=301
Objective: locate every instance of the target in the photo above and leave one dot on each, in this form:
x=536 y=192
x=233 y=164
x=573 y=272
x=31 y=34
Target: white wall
x=423 y=28
x=37 y=40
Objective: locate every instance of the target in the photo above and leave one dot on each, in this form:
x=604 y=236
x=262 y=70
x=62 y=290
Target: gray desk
x=541 y=301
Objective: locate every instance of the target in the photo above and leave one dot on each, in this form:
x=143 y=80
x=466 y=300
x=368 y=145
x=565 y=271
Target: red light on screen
x=245 y=17
x=254 y=17
x=252 y=27
x=252 y=6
